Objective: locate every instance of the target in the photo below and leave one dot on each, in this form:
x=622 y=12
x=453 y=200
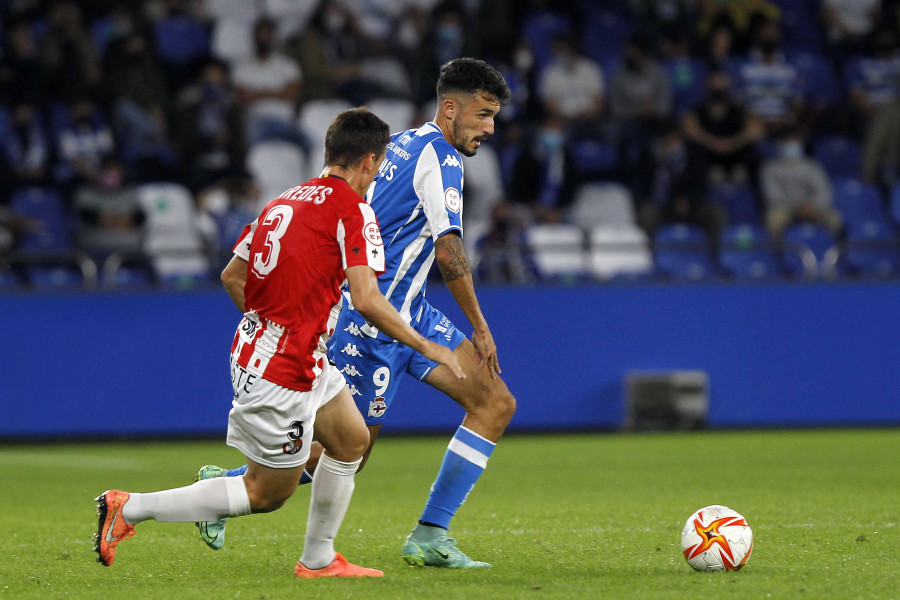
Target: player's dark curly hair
x=469 y=76
x=354 y=134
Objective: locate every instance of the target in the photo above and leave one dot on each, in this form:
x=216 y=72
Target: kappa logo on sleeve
x=452 y=199
x=450 y=161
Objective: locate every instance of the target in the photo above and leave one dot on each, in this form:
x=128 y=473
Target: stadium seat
x=173 y=239
x=619 y=250
x=841 y=156
x=45 y=205
x=739 y=202
x=591 y=157
x=602 y=204
x=746 y=252
x=10 y=281
x=181 y=39
x=895 y=203
x=55 y=277
x=539 y=29
x=859 y=202
x=314 y=119
x=817 y=79
x=396 y=112
x=604 y=36
x=558 y=250
x=277 y=166
x=683 y=252
x=871 y=249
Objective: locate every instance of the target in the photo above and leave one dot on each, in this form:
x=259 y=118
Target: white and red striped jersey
x=297 y=250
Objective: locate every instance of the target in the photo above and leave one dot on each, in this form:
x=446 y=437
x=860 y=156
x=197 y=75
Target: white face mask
x=792 y=150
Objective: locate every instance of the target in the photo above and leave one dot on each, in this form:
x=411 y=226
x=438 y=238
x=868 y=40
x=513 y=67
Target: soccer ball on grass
x=716 y=538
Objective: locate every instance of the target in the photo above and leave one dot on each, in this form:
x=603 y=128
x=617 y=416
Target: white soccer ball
x=716 y=538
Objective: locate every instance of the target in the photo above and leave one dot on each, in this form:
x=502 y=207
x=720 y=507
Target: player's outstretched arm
x=371 y=304
x=234 y=276
x=454 y=264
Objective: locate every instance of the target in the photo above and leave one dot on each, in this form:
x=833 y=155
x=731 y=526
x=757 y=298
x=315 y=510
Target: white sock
x=332 y=488
x=206 y=500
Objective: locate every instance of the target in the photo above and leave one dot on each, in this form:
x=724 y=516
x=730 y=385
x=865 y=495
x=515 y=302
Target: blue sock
x=236 y=472
x=465 y=459
x=304 y=477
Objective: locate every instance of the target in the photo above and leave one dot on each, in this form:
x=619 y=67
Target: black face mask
x=719 y=95
x=768 y=47
x=264 y=48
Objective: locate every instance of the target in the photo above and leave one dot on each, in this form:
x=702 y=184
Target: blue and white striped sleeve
x=438 y=181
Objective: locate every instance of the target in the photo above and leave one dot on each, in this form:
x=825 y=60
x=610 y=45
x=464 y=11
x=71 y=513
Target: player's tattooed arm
x=451 y=257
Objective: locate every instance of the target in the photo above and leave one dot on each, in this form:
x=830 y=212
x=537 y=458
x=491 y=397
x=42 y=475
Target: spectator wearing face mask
x=572 y=86
x=768 y=84
x=268 y=84
x=795 y=188
x=673 y=187
x=723 y=132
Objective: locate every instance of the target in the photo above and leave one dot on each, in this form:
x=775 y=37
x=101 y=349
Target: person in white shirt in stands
x=269 y=86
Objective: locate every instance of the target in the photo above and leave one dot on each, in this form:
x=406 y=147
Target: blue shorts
x=373 y=368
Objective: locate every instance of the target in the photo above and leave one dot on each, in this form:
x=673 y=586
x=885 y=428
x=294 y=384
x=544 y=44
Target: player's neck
x=352 y=177
x=445 y=126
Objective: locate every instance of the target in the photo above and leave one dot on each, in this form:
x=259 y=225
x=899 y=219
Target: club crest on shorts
x=292 y=447
x=377 y=407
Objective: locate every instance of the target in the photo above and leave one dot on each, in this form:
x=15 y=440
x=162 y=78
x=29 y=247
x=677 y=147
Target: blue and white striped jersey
x=417 y=197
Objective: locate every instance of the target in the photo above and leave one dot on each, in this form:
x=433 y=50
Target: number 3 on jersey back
x=277 y=221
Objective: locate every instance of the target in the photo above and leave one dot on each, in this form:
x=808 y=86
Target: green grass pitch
x=559 y=516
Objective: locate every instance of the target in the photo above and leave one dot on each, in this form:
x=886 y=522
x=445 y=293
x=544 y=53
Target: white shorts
x=273 y=425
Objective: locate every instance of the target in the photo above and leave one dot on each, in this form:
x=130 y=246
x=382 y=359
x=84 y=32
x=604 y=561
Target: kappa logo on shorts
x=377 y=407
x=351 y=350
x=353 y=329
x=351 y=371
x=354 y=391
x=292 y=447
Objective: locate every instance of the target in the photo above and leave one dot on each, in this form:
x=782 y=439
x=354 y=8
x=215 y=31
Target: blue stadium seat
x=739 y=201
x=45 y=205
x=55 y=277
x=683 y=252
x=859 y=202
x=179 y=40
x=818 y=81
x=539 y=29
x=231 y=225
x=10 y=281
x=841 y=156
x=746 y=252
x=895 y=203
x=872 y=249
x=593 y=156
x=604 y=35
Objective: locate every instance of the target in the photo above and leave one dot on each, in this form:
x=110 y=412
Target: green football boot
x=439 y=552
x=212 y=532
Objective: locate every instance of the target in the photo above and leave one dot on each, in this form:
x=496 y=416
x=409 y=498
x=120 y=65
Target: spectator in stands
x=723 y=132
x=685 y=73
x=875 y=79
x=236 y=195
x=140 y=102
x=110 y=218
x=68 y=53
x=673 y=186
x=22 y=74
x=12 y=227
x=378 y=74
x=209 y=127
x=769 y=84
x=542 y=176
x=881 y=150
x=26 y=149
x=572 y=86
x=446 y=38
x=503 y=252
x=83 y=142
x=330 y=41
x=639 y=90
x=795 y=187
x=849 y=23
x=269 y=85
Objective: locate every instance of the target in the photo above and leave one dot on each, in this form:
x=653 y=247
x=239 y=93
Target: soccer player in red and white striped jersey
x=286 y=276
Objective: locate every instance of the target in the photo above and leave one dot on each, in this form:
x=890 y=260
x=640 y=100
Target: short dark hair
x=470 y=76
x=354 y=134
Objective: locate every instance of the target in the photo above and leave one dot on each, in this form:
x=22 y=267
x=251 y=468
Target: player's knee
x=351 y=446
x=504 y=405
x=496 y=405
x=268 y=501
